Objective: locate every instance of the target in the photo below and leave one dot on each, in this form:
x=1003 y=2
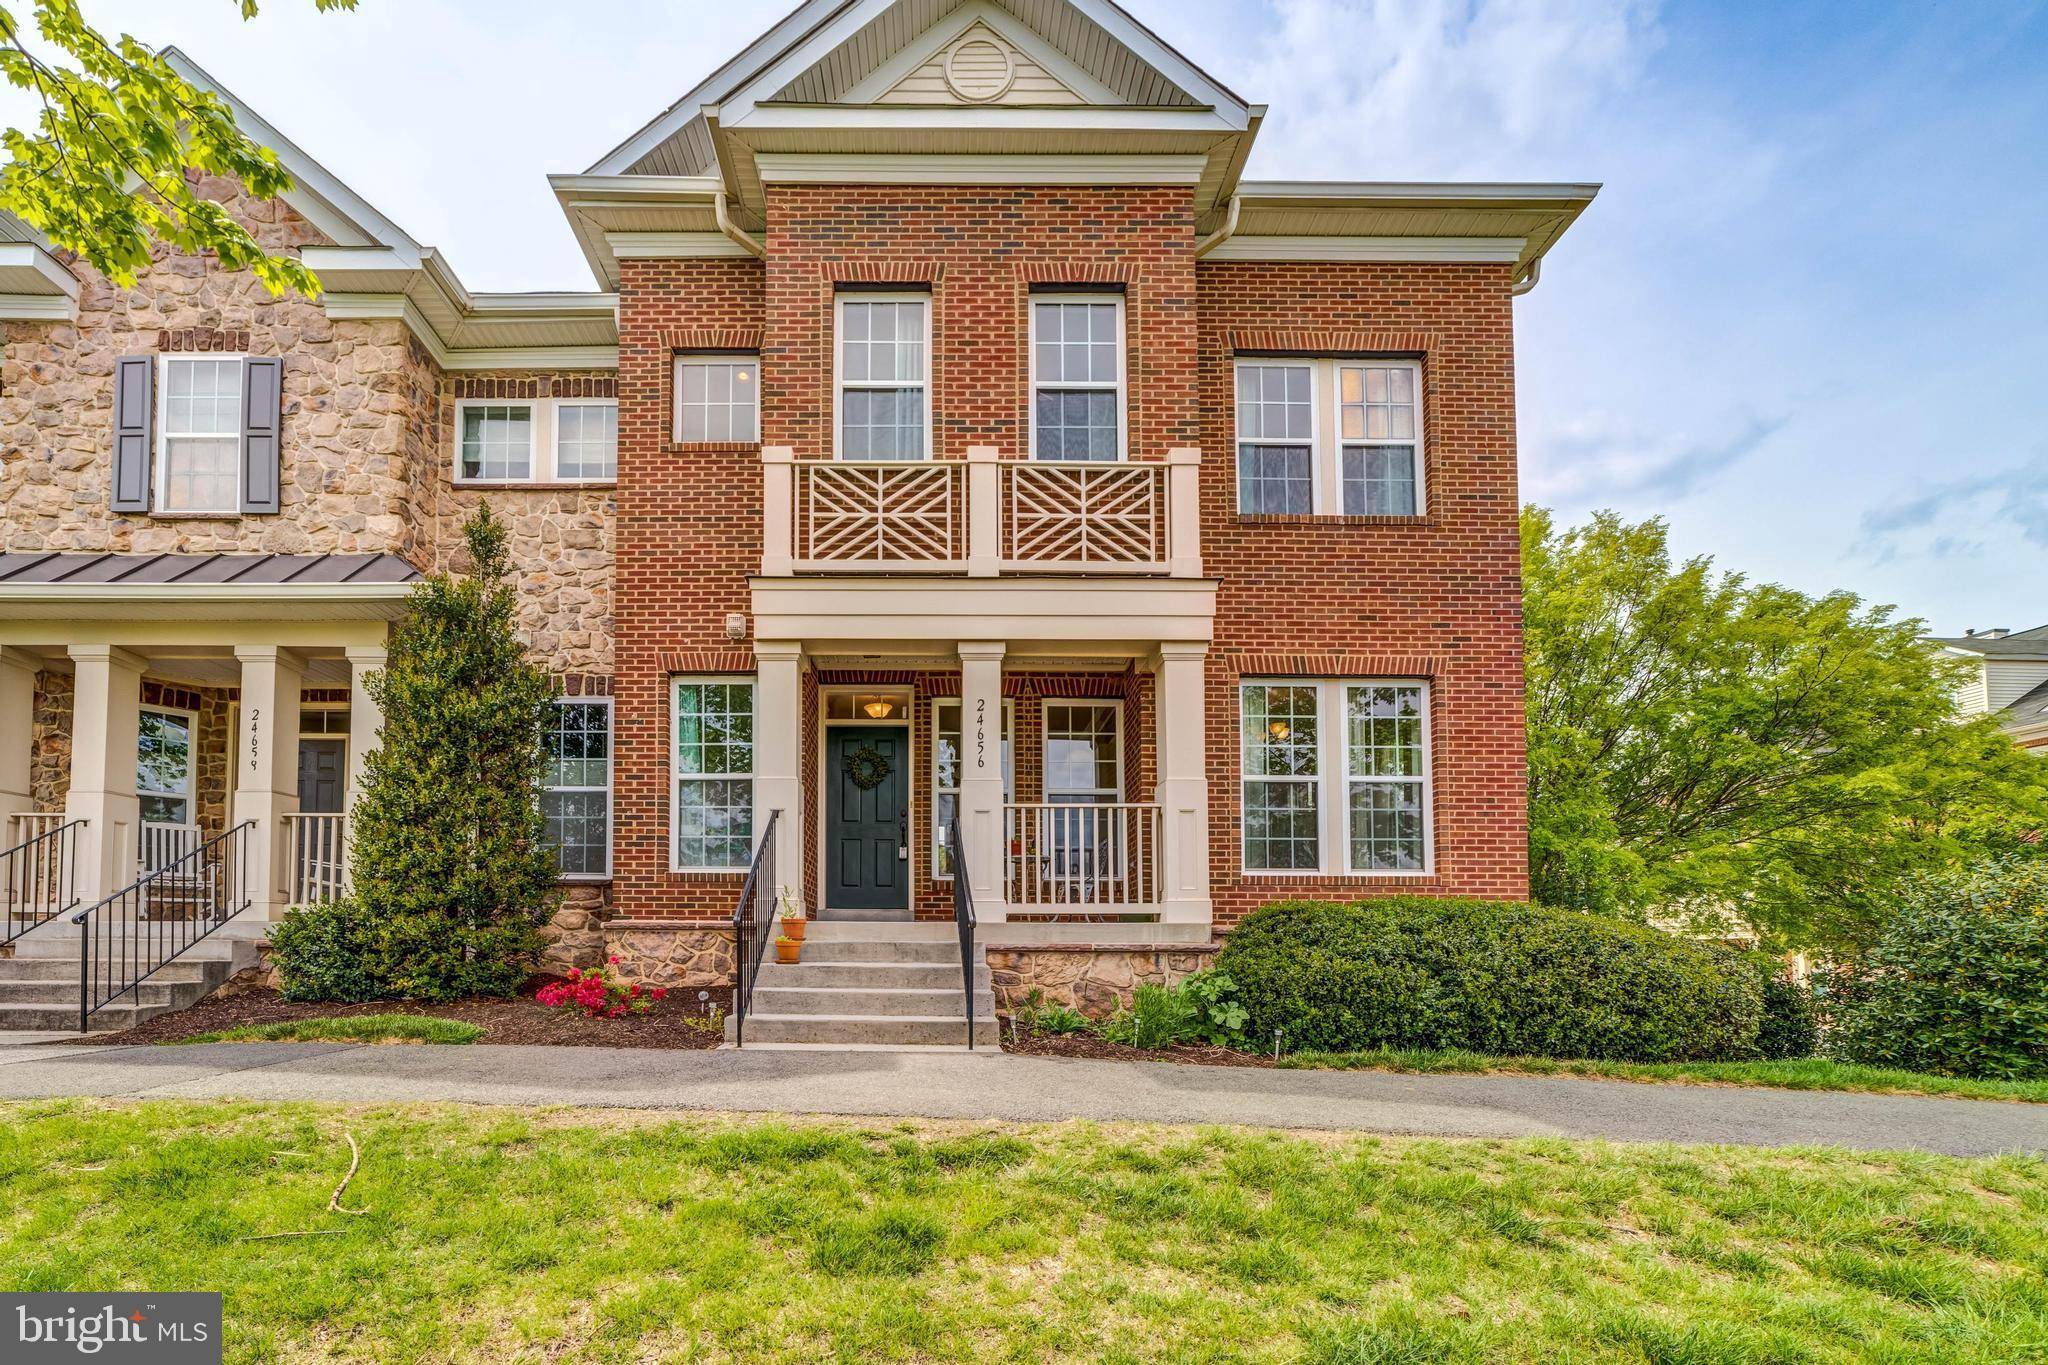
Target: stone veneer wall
x=1096 y=981
x=664 y=955
x=49 y=757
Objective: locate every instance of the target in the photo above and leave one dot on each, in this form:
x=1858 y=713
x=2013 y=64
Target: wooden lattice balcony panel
x=881 y=514
x=1084 y=515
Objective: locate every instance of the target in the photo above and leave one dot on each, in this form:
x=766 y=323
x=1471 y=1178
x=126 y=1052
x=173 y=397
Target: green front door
x=867 y=818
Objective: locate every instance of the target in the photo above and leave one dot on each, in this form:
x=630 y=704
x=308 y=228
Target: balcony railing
x=981 y=516
x=1101 y=859
x=317 y=842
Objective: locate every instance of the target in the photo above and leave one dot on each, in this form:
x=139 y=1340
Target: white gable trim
x=939 y=36
x=1459 y=250
x=874 y=169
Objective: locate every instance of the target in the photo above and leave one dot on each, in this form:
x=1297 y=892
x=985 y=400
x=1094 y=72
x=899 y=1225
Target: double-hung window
x=1083 y=767
x=537 y=440
x=718 y=398
x=576 y=796
x=884 y=357
x=1336 y=776
x=713 y=737
x=1329 y=437
x=949 y=764
x=1077 y=377
x=199 y=455
x=163 y=766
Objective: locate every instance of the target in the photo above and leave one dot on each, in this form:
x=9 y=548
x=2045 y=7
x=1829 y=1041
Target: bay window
x=576 y=795
x=713 y=760
x=1335 y=776
x=883 y=355
x=1329 y=437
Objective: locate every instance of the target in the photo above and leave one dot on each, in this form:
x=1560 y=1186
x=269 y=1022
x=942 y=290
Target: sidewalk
x=1024 y=1089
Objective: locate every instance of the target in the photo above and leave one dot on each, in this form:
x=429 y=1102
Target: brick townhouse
x=955 y=435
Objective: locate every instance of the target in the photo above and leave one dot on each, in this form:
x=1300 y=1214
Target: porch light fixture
x=879 y=708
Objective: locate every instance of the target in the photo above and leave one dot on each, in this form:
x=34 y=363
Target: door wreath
x=867 y=767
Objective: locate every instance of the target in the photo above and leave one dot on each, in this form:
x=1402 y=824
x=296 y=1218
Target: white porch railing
x=981 y=516
x=25 y=825
x=1094 y=858
x=318 y=847
x=163 y=845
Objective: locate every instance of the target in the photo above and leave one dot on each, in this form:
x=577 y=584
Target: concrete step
x=866 y=1029
x=123 y=1013
x=864 y=916
x=170 y=994
x=66 y=969
x=928 y=975
x=820 y=951
x=880 y=931
x=214 y=948
x=885 y=1001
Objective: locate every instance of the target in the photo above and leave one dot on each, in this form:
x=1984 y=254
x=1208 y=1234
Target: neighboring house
x=954 y=433
x=2009 y=681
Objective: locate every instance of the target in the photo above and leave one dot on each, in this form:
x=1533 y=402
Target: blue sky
x=1806 y=320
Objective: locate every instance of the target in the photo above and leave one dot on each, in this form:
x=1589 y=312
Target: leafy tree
x=104 y=172
x=450 y=862
x=1700 y=743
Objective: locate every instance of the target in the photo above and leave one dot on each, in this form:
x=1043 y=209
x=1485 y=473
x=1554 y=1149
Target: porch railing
x=317 y=864
x=1100 y=859
x=161 y=845
x=753 y=924
x=981 y=516
x=126 y=938
x=39 y=873
x=963 y=919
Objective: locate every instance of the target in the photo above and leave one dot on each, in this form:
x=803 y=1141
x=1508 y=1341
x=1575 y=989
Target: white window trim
x=676 y=775
x=1045 y=738
x=541 y=449
x=190 y=795
x=1333 y=779
x=610 y=772
x=1326 y=440
x=840 y=383
x=1007 y=735
x=161 y=435
x=676 y=390
x=555 y=406
x=1120 y=387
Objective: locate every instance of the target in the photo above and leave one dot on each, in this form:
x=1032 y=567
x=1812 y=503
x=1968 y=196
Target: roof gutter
x=1527 y=279
x=731 y=229
x=1222 y=234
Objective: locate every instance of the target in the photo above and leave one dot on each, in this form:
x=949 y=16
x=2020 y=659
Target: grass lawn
x=588 y=1235
x=359 y=1028
x=1805 y=1074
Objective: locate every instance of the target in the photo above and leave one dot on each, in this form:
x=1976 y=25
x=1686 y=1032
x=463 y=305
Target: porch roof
x=205 y=586
x=99 y=570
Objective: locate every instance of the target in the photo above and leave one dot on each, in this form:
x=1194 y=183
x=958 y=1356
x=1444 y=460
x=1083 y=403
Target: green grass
x=498 y=1235
x=355 y=1028
x=1806 y=1074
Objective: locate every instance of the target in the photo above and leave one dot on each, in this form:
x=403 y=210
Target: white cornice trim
x=662 y=246
x=36 y=308
x=853 y=169
x=534 y=358
x=1431 y=191
x=1446 y=250
x=33 y=256
x=360 y=306
x=931 y=118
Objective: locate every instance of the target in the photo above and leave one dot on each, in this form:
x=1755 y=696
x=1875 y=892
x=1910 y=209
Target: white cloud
x=1589 y=459
x=1963 y=518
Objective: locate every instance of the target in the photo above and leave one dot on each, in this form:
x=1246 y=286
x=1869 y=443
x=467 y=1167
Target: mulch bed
x=518 y=1020
x=1031 y=1042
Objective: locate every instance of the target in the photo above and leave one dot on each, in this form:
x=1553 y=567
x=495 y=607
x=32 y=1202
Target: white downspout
x=1222 y=234
x=731 y=229
x=1528 y=280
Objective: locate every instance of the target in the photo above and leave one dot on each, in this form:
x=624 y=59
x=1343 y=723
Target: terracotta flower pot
x=787 y=949
x=794 y=928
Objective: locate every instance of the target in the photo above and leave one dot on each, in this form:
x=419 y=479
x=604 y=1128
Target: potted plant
x=788 y=949
x=792 y=915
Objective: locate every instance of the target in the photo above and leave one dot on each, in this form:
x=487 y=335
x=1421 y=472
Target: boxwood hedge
x=1488 y=976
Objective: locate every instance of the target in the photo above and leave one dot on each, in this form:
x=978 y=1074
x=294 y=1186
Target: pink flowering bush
x=597 y=995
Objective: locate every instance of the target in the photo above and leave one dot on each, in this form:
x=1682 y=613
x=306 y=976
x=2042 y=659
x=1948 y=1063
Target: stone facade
x=658 y=955
x=49 y=764
x=576 y=933
x=1096 y=981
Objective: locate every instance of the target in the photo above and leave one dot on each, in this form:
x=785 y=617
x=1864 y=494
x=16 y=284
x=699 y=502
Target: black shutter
x=134 y=387
x=262 y=415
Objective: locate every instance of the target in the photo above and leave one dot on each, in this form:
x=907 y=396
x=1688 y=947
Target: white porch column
x=267 y=770
x=1183 y=795
x=1184 y=512
x=778 y=505
x=981 y=775
x=984 y=512
x=17 y=736
x=778 y=755
x=106 y=719
x=365 y=717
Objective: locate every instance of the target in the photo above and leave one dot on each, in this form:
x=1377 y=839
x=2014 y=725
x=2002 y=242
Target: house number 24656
x=980 y=732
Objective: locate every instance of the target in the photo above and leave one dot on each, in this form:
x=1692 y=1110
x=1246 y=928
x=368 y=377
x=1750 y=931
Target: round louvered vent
x=979 y=70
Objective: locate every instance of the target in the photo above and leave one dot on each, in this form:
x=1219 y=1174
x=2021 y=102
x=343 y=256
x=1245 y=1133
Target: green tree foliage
x=449 y=855
x=1698 y=741
x=103 y=173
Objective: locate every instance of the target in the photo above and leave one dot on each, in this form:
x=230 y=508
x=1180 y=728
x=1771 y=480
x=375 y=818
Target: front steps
x=39 y=981
x=866 y=984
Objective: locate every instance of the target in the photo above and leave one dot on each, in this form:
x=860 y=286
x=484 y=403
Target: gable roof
x=2018 y=644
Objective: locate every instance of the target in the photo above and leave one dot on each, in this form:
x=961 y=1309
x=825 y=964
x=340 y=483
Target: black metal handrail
x=132 y=934
x=752 y=919
x=963 y=917
x=38 y=880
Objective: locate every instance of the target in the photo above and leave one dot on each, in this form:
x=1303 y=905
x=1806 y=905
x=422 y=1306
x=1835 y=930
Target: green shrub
x=1791 y=1023
x=1485 y=976
x=1158 y=1015
x=1218 y=1014
x=1957 y=984
x=327 y=952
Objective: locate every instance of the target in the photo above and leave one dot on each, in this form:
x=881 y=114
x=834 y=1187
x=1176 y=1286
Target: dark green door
x=867 y=809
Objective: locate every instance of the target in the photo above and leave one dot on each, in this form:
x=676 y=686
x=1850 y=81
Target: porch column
x=106 y=721
x=17 y=737
x=365 y=718
x=981 y=775
x=1183 y=794
x=267 y=771
x=778 y=755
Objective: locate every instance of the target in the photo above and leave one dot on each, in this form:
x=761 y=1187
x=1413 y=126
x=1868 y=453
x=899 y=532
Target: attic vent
x=979 y=69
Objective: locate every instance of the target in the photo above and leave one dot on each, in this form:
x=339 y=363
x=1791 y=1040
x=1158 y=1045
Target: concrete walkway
x=1027 y=1089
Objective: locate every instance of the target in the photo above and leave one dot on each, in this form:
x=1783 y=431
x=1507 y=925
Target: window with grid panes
x=713 y=729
